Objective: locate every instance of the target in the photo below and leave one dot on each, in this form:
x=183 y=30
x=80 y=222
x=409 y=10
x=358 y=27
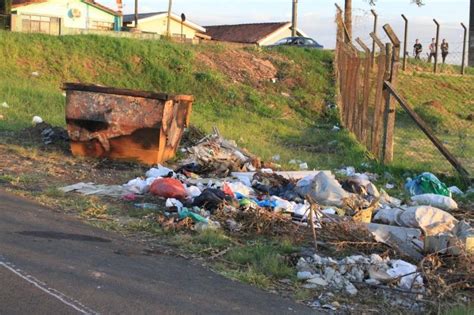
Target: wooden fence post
x=377 y=119
x=364 y=121
x=389 y=103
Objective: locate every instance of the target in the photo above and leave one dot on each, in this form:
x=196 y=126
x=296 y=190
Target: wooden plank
x=377 y=130
x=390 y=103
x=428 y=132
x=364 y=122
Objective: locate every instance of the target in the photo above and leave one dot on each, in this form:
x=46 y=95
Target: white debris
x=174 y=203
x=455 y=190
x=193 y=191
x=5 y=105
x=304 y=275
x=343 y=274
x=138 y=186
x=437 y=201
x=35 y=74
x=37 y=120
x=304 y=166
x=159 y=171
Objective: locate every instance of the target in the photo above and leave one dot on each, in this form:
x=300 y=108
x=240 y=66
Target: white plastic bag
x=438 y=201
x=159 y=171
x=325 y=189
x=138 y=186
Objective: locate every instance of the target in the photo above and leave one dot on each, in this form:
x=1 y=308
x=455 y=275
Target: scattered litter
x=455 y=190
x=437 y=201
x=168 y=188
x=304 y=166
x=147 y=206
x=35 y=74
x=325 y=190
x=5 y=105
x=389 y=186
x=341 y=275
x=160 y=171
x=427 y=183
x=93 y=189
x=174 y=203
x=37 y=120
x=431 y=220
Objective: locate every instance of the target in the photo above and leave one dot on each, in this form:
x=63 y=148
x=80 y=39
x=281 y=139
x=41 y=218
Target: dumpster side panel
x=125 y=127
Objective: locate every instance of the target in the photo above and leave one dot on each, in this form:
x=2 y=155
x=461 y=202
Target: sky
x=317 y=16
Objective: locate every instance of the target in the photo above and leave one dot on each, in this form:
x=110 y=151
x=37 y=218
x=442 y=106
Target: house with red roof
x=261 y=34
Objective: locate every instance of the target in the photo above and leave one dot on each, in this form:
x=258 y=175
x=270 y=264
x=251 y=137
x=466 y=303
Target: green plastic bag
x=427 y=183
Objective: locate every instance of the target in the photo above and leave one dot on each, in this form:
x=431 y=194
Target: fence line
x=368 y=96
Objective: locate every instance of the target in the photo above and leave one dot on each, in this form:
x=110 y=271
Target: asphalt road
x=51 y=263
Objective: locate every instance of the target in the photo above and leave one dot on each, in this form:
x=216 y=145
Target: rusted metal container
x=125 y=124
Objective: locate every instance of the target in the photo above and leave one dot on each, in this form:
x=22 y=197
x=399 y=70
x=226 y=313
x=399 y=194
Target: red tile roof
x=243 y=33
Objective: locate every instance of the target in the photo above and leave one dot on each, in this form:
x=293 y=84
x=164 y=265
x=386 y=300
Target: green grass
x=258 y=118
x=444 y=103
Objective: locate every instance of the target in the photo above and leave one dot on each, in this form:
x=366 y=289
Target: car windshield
x=283 y=41
x=311 y=42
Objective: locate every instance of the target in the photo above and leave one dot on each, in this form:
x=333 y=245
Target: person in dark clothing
x=444 y=50
x=417 y=49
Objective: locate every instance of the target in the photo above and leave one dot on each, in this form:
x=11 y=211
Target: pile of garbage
x=219 y=185
x=326 y=272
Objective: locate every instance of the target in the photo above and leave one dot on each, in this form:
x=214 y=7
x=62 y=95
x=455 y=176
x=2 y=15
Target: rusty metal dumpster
x=125 y=124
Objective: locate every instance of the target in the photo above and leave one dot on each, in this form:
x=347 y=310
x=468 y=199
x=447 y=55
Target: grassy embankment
x=260 y=119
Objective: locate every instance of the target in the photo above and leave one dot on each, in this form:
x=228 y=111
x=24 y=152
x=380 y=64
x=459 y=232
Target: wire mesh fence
x=422 y=29
x=427 y=119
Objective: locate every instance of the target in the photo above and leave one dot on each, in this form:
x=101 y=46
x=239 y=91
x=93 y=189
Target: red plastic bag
x=227 y=190
x=168 y=188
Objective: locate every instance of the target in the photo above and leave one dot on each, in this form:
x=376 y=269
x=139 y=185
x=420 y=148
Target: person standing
x=444 y=50
x=433 y=49
x=417 y=49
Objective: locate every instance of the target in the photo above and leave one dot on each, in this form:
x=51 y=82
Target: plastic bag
x=159 y=171
x=438 y=201
x=168 y=188
x=427 y=183
x=431 y=220
x=137 y=186
x=325 y=189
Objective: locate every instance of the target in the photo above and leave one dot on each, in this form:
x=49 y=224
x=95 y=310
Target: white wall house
x=62 y=16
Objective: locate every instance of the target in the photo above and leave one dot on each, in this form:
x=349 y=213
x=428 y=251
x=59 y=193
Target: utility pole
x=348 y=16
x=168 y=25
x=136 y=14
x=471 y=36
x=294 y=26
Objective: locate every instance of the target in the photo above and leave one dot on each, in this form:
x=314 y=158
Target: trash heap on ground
x=219 y=185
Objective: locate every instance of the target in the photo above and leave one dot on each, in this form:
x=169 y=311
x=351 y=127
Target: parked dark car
x=298 y=42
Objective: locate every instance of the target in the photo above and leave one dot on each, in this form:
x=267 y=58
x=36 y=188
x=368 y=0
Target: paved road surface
x=53 y=264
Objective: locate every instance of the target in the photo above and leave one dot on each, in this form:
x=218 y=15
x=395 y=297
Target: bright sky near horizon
x=317 y=16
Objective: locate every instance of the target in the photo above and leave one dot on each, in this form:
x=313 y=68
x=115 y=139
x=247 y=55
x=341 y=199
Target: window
x=40 y=24
x=283 y=41
x=99 y=25
x=310 y=42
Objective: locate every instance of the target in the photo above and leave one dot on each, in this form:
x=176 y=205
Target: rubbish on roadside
x=159 y=171
x=138 y=186
x=360 y=185
x=219 y=157
x=389 y=186
x=408 y=240
x=455 y=190
x=347 y=171
x=93 y=189
x=276 y=158
x=208 y=225
x=459 y=240
x=125 y=124
x=37 y=120
x=129 y=197
x=5 y=105
x=437 y=201
x=242 y=189
x=147 y=206
x=193 y=191
x=174 y=203
x=341 y=274
x=210 y=199
x=427 y=183
x=431 y=221
x=336 y=128
x=186 y=213
x=35 y=74
x=304 y=166
x=168 y=188
x=325 y=190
